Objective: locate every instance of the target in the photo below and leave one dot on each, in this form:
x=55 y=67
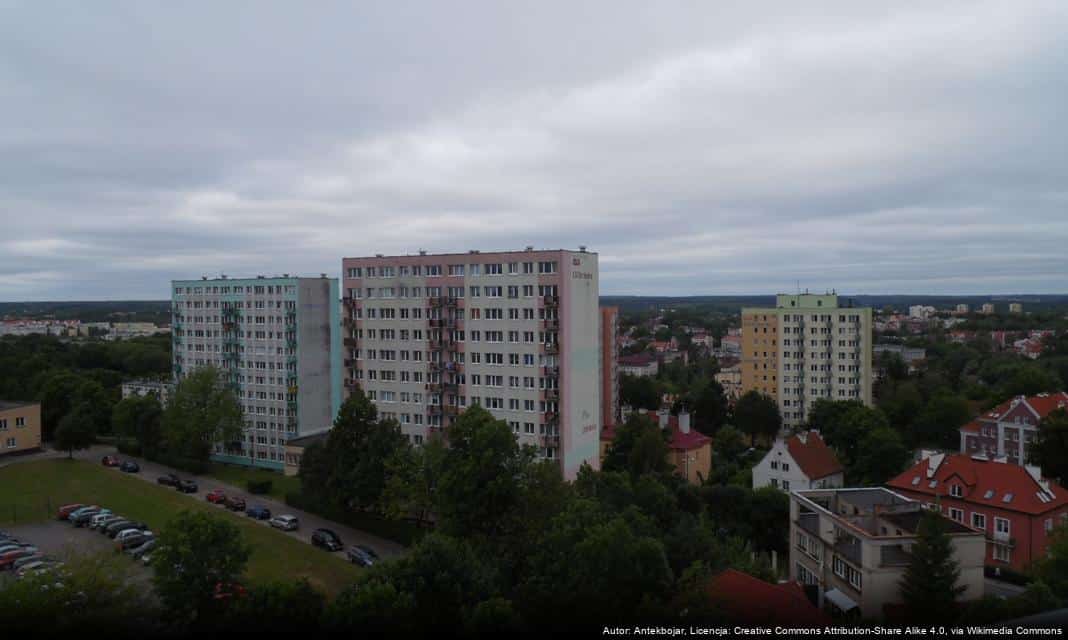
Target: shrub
x=396 y=530
x=259 y=487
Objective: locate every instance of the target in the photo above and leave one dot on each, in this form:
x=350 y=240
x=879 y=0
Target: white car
x=95 y=521
x=285 y=523
x=127 y=533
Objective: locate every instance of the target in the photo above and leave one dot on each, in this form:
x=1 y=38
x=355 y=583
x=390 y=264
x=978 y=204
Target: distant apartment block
x=987 y=309
x=1013 y=507
x=730 y=379
x=1009 y=429
x=276 y=341
x=806 y=348
x=921 y=312
x=610 y=365
x=851 y=547
x=1015 y=307
x=517 y=332
x=20 y=427
x=639 y=364
x=162 y=390
x=962 y=308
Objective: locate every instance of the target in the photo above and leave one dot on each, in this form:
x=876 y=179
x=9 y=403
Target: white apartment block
x=852 y=547
x=806 y=348
x=276 y=341
x=426 y=336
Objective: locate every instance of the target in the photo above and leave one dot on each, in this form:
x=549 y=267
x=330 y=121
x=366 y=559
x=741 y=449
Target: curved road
x=308 y=521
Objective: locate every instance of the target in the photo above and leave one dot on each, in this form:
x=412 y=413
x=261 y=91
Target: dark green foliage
x=202 y=412
x=881 y=455
x=847 y=425
x=1053 y=569
x=139 y=419
x=639 y=392
x=77 y=430
x=196 y=552
x=277 y=607
x=1050 y=449
x=937 y=425
x=259 y=487
x=639 y=446
x=929 y=589
x=757 y=415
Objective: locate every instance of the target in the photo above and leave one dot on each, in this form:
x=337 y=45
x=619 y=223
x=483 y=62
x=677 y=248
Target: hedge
x=398 y=531
x=259 y=487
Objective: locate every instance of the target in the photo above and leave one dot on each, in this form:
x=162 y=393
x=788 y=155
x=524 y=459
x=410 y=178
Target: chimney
x=684 y=421
x=662 y=417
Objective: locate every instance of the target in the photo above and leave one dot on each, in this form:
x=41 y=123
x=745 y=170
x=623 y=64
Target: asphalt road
x=150 y=471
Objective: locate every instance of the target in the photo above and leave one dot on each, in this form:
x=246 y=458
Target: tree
x=412 y=477
x=846 y=431
x=939 y=422
x=431 y=587
x=639 y=446
x=757 y=415
x=202 y=412
x=881 y=455
x=277 y=607
x=1029 y=380
x=481 y=479
x=76 y=430
x=709 y=408
x=929 y=589
x=824 y=412
x=195 y=553
x=729 y=443
x=139 y=419
x=57 y=395
x=92 y=394
x=1053 y=569
x=639 y=392
x=1050 y=449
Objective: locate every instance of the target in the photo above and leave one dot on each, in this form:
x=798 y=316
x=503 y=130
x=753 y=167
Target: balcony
x=351 y=384
x=552 y=348
x=552 y=325
x=1001 y=537
x=348 y=323
x=552 y=440
x=350 y=343
x=550 y=372
x=442 y=301
x=551 y=394
x=550 y=418
x=550 y=302
x=348 y=363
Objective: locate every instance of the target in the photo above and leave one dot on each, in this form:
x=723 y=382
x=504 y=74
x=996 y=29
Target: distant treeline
x=157 y=311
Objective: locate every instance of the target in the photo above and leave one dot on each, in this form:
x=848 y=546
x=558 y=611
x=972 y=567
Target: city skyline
x=700 y=151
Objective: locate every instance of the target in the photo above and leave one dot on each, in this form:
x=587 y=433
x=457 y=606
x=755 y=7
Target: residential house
x=802 y=461
x=1010 y=428
x=1012 y=506
x=690 y=451
x=639 y=364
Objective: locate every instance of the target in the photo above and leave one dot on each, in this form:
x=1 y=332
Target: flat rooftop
x=473 y=252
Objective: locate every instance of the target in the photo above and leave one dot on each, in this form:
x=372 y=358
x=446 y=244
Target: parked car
x=103 y=524
x=168 y=480
x=64 y=512
x=81 y=517
x=132 y=538
x=8 y=559
x=32 y=568
x=186 y=486
x=118 y=527
x=235 y=503
x=110 y=461
x=226 y=591
x=258 y=512
x=74 y=514
x=285 y=523
x=25 y=560
x=130 y=467
x=362 y=555
x=326 y=539
x=12 y=548
x=98 y=517
x=216 y=496
x=142 y=548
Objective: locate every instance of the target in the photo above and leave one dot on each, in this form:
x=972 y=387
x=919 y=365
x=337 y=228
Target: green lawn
x=30 y=492
x=239 y=476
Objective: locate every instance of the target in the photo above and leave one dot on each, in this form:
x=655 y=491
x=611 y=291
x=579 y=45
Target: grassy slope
x=239 y=476
x=31 y=492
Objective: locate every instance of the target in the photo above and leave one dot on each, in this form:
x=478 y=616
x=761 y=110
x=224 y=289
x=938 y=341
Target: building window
x=1002 y=553
x=956 y=514
x=979 y=521
x=1001 y=525
x=956 y=491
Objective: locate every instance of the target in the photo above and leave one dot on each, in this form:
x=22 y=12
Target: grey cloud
x=699 y=149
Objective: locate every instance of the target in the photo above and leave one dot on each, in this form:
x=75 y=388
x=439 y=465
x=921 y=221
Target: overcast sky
x=698 y=148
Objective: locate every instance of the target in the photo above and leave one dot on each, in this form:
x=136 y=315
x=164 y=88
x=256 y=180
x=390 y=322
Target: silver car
x=285 y=523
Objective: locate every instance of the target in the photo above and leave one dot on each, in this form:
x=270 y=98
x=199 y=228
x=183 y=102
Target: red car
x=9 y=558
x=110 y=461
x=66 y=510
x=216 y=496
x=226 y=591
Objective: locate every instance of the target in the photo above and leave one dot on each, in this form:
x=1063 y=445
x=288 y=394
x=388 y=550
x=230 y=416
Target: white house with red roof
x=1012 y=505
x=802 y=461
x=1008 y=429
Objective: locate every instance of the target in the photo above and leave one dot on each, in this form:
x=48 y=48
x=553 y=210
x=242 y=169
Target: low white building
x=800 y=462
x=639 y=364
x=161 y=390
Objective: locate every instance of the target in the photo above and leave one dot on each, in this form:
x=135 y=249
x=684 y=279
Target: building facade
x=518 y=333
x=276 y=341
x=851 y=546
x=806 y=348
x=689 y=451
x=730 y=379
x=802 y=461
x=1011 y=506
x=1010 y=429
x=610 y=365
x=162 y=390
x=20 y=427
x=639 y=364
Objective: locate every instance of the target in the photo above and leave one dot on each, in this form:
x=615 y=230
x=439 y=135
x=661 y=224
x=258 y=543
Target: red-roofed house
x=1011 y=504
x=747 y=600
x=639 y=364
x=1008 y=429
x=691 y=451
x=802 y=461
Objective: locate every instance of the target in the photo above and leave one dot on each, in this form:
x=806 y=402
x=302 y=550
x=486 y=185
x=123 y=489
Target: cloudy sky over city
x=699 y=147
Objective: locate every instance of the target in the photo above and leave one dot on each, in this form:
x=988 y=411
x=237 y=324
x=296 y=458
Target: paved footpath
x=308 y=521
